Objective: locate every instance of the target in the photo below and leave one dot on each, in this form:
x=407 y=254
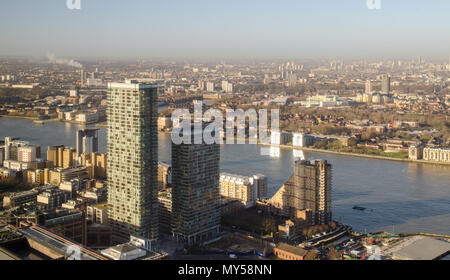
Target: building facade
x=244 y=189
x=309 y=188
x=436 y=154
x=87 y=141
x=132 y=166
x=415 y=152
x=195 y=194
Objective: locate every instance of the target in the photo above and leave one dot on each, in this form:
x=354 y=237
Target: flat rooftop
x=131 y=84
x=425 y=248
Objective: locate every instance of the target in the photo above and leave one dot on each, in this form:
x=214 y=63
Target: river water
x=398 y=196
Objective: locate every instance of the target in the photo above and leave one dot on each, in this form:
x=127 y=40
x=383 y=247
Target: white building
x=210 y=86
x=27 y=154
x=245 y=189
x=227 y=87
x=87 y=117
x=16 y=165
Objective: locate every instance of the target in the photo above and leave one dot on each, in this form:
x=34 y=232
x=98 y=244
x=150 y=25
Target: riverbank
x=34 y=119
x=22 y=118
x=355 y=154
x=43 y=121
x=104 y=125
x=344 y=153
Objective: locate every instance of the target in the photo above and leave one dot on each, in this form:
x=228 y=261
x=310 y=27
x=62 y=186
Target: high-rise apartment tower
x=132 y=167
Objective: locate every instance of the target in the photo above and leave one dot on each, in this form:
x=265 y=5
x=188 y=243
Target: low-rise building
x=97 y=213
x=288 y=252
x=51 y=199
x=436 y=154
x=245 y=189
x=415 y=151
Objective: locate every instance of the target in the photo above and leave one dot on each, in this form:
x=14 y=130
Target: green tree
x=334 y=254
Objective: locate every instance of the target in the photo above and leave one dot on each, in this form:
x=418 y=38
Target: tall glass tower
x=132 y=160
x=195 y=194
x=386 y=84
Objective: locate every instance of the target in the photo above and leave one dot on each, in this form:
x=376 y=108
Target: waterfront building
x=436 y=154
x=87 y=141
x=416 y=151
x=244 y=189
x=132 y=167
x=18 y=150
x=309 y=188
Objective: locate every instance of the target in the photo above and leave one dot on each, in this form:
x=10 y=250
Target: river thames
x=398 y=196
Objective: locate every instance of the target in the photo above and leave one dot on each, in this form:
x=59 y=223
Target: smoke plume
x=70 y=62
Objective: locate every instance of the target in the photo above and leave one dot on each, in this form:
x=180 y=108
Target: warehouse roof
x=292 y=249
x=425 y=248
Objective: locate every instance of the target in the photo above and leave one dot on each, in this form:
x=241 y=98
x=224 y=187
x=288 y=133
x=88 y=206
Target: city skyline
x=140 y=130
x=205 y=29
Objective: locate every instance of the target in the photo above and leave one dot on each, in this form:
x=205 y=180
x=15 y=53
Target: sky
x=298 y=29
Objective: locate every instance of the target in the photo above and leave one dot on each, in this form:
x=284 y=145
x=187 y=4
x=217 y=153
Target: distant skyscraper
x=210 y=86
x=195 y=194
x=8 y=148
x=83 y=77
x=309 y=188
x=368 y=86
x=386 y=84
x=227 y=87
x=87 y=141
x=132 y=167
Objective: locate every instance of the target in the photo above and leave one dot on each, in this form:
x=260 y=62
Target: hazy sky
x=226 y=28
